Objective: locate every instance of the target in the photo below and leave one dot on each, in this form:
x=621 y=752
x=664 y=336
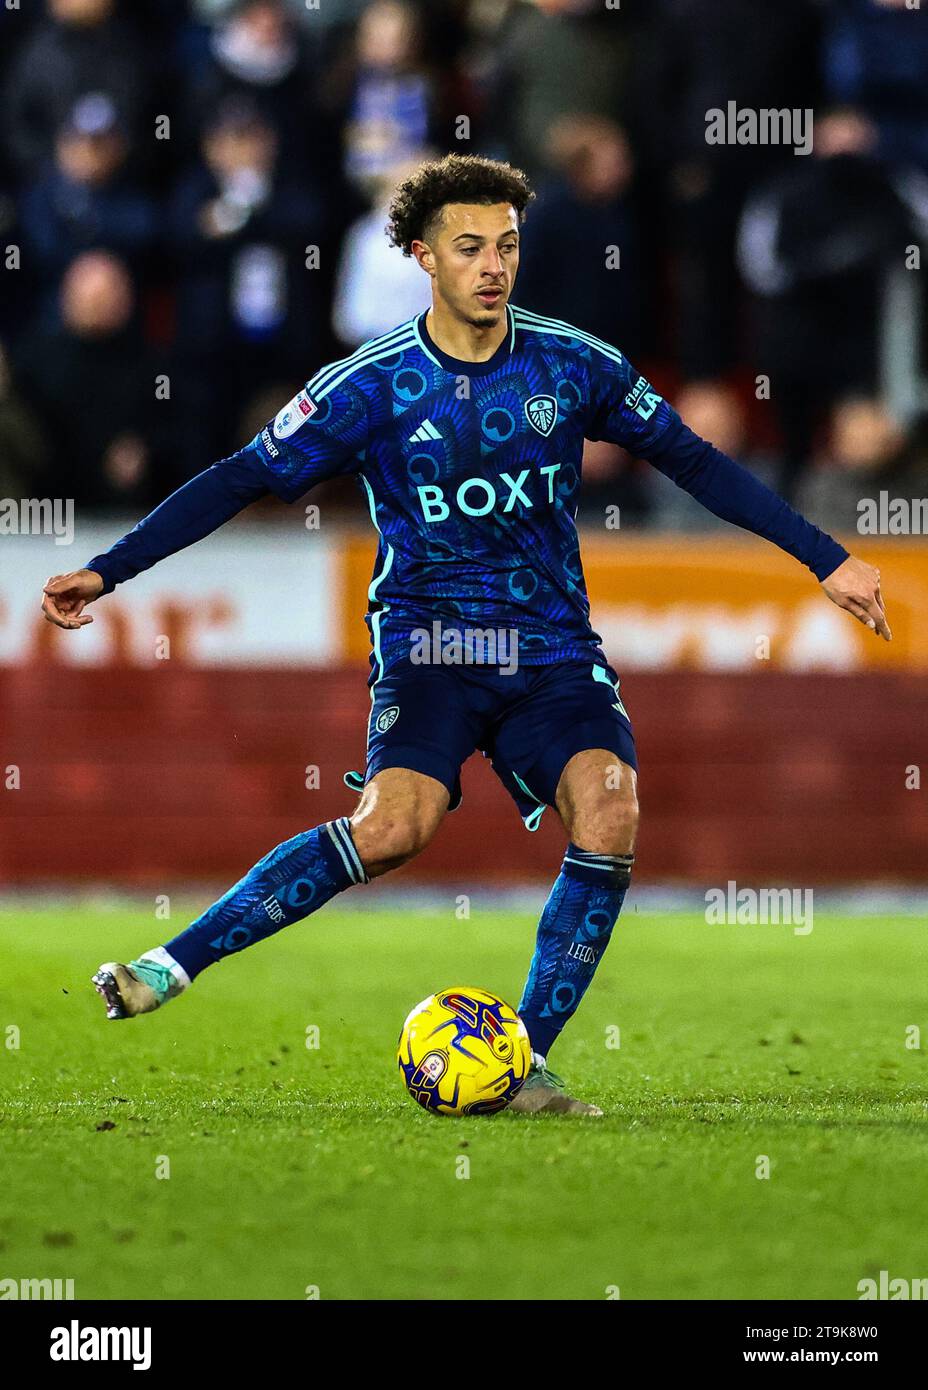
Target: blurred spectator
x=85 y=200
x=83 y=46
x=23 y=448
x=332 y=14
x=876 y=59
x=376 y=286
x=389 y=117
x=814 y=245
x=697 y=56
x=714 y=410
x=18 y=287
x=547 y=59
x=255 y=51
x=92 y=383
x=579 y=226
x=250 y=310
x=867 y=452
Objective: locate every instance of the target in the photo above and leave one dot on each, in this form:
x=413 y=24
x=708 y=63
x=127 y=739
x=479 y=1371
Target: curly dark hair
x=458 y=178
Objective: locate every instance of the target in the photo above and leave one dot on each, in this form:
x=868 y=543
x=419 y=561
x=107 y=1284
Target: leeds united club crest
x=541 y=413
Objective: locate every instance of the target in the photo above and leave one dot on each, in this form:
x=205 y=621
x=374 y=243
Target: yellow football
x=463 y=1051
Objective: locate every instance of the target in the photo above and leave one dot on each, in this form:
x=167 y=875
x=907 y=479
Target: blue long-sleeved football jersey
x=472 y=472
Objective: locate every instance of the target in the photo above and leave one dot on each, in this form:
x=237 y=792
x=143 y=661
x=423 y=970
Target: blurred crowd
x=193 y=195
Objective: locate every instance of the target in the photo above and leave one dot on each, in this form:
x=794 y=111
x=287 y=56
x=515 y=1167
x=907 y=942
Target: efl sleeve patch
x=293 y=415
x=296 y=458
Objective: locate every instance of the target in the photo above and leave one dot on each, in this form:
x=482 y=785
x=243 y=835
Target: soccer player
x=465 y=428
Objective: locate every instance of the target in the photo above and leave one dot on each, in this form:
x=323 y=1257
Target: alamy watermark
x=892 y=1289
x=892 y=516
x=35 y=1290
x=77 y=1343
x=734 y=906
x=747 y=125
x=38 y=516
x=468 y=646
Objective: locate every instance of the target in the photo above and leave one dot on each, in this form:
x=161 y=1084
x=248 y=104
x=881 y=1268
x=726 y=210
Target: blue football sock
x=573 y=933
x=288 y=884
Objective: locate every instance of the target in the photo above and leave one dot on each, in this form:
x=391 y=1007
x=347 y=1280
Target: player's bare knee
x=388 y=830
x=605 y=822
x=391 y=840
x=598 y=803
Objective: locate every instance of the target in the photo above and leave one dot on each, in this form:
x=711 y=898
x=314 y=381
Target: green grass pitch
x=294 y=1168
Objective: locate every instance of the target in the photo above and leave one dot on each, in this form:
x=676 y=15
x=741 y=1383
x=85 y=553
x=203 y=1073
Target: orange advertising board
x=717 y=602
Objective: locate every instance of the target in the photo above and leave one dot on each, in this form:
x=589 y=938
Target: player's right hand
x=66 y=596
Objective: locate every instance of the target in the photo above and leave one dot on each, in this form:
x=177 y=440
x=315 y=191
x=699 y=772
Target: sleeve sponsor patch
x=293 y=415
x=643 y=399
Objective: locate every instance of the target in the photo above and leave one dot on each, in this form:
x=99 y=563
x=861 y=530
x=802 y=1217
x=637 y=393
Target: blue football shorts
x=431 y=718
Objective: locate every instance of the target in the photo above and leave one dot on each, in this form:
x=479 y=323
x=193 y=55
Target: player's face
x=472 y=256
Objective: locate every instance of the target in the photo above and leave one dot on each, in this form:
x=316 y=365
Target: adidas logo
x=424 y=433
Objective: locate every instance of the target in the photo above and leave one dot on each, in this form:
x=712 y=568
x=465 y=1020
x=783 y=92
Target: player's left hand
x=65 y=597
x=855 y=586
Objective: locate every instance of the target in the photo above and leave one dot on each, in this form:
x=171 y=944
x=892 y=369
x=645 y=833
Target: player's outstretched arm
x=730 y=491
x=303 y=445
x=627 y=410
x=195 y=510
